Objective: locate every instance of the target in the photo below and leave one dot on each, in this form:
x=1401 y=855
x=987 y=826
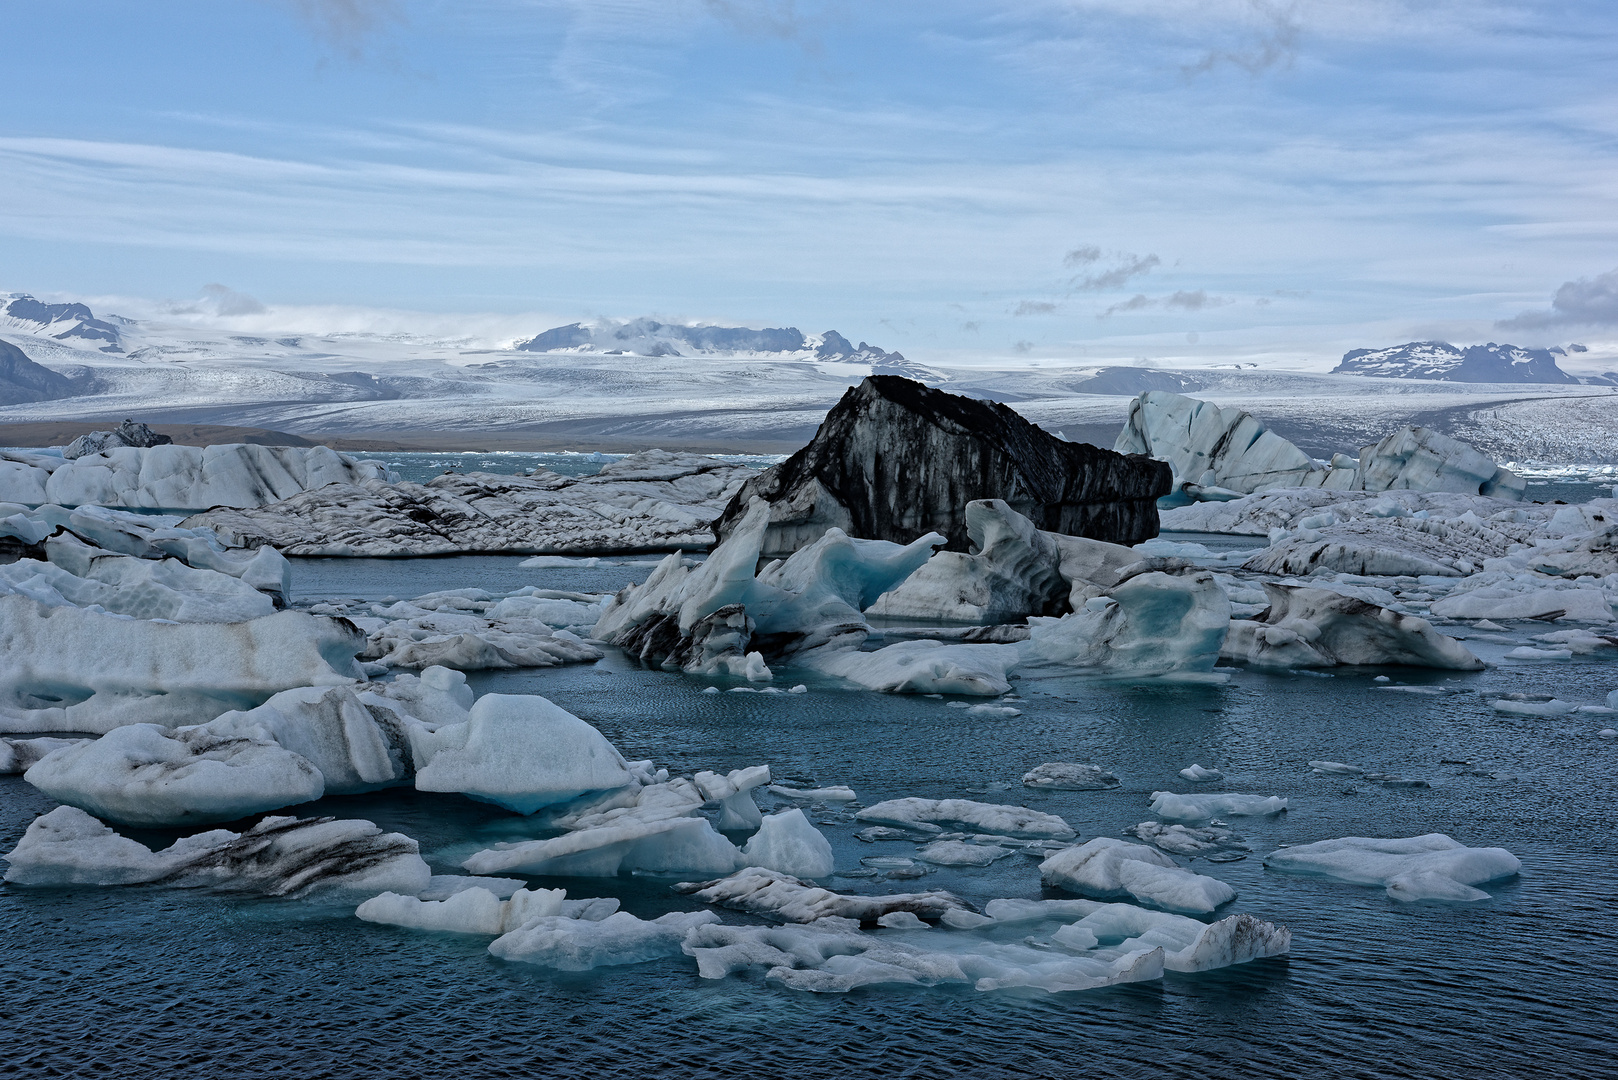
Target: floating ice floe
x=581 y=944
x=280 y=856
x=1203 y=807
x=1505 y=594
x=960 y=853
x=172 y=477
x=1198 y=775
x=1001 y=820
x=474 y=910
x=1069 y=776
x=1306 y=627
x=74 y=538
x=651 y=501
x=1430 y=867
x=762 y=891
x=77 y=669
x=1183 y=840
x=1545 y=707
x=1108 y=867
x=825 y=794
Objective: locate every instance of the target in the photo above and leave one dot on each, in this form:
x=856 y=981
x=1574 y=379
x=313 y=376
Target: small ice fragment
x=887 y=862
x=921 y=831
x=799 y=689
x=901 y=920
x=1197 y=774
x=1553 y=707
x=1527 y=653
x=959 y=919
x=1381 y=678
x=1069 y=776
x=710 y=690
x=1487 y=624
x=1337 y=768
x=1607 y=733
x=826 y=794
x=959 y=704
x=994 y=710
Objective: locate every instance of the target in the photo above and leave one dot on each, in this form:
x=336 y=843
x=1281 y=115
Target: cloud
x=970 y=327
x=348 y=25
x=1276 y=44
x=1129 y=265
x=227 y=301
x=1035 y=307
x=1083 y=256
x=1194 y=301
x=1185 y=301
x=1587 y=302
x=1023 y=346
x=1134 y=303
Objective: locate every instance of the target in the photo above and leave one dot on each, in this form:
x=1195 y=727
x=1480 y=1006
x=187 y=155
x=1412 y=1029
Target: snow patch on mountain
x=1452 y=363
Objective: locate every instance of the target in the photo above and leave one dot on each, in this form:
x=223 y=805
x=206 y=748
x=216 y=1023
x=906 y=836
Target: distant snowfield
x=357 y=384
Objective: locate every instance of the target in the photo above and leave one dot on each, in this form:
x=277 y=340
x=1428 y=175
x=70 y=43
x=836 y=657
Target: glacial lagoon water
x=137 y=982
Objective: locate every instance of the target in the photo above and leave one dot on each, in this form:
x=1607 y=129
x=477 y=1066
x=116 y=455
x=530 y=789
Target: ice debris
x=1108 y=867
x=1001 y=820
x=1203 y=807
x=1069 y=776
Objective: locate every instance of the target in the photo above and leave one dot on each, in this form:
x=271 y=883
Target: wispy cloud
x=1035 y=307
x=1274 y=45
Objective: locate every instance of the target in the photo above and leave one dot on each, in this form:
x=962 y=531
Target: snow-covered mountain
x=20 y=311
x=1440 y=360
x=648 y=337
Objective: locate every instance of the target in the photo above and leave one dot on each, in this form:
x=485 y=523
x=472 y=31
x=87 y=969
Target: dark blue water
x=139 y=982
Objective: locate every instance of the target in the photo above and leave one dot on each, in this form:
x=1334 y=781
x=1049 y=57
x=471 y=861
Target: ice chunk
x=1018 y=821
x=1553 y=707
x=142 y=774
x=474 y=910
x=1151 y=624
x=90 y=671
x=788 y=843
x=958 y=853
x=580 y=945
x=194 y=478
x=1197 y=774
x=921 y=667
x=760 y=891
x=1508 y=594
x=280 y=856
x=1108 y=867
x=521 y=752
x=18 y=755
x=733 y=792
x=1336 y=768
x=825 y=794
x=1307 y=627
x=1166 y=804
x=1069 y=776
x=1430 y=867
x=1186 y=841
x=901 y=920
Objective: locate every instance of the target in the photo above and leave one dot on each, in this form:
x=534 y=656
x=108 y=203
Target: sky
x=1162 y=181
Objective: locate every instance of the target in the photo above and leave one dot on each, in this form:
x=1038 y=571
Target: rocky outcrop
x=895 y=459
x=22 y=380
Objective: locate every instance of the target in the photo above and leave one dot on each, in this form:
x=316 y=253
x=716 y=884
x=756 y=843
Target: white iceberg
x=473 y=910
x=787 y=842
x=1430 y=867
x=1202 y=807
x=1108 y=867
x=1305 y=627
x=1001 y=820
x=518 y=751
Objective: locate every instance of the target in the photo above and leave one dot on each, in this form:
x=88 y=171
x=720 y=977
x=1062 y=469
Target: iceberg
x=521 y=752
x=761 y=891
x=1001 y=820
x=76 y=669
x=474 y=910
x=788 y=843
x=1203 y=807
x=1069 y=776
x=1153 y=624
x=280 y=856
x=1430 y=867
x=582 y=945
x=1306 y=627
x=1108 y=867
x=651 y=501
